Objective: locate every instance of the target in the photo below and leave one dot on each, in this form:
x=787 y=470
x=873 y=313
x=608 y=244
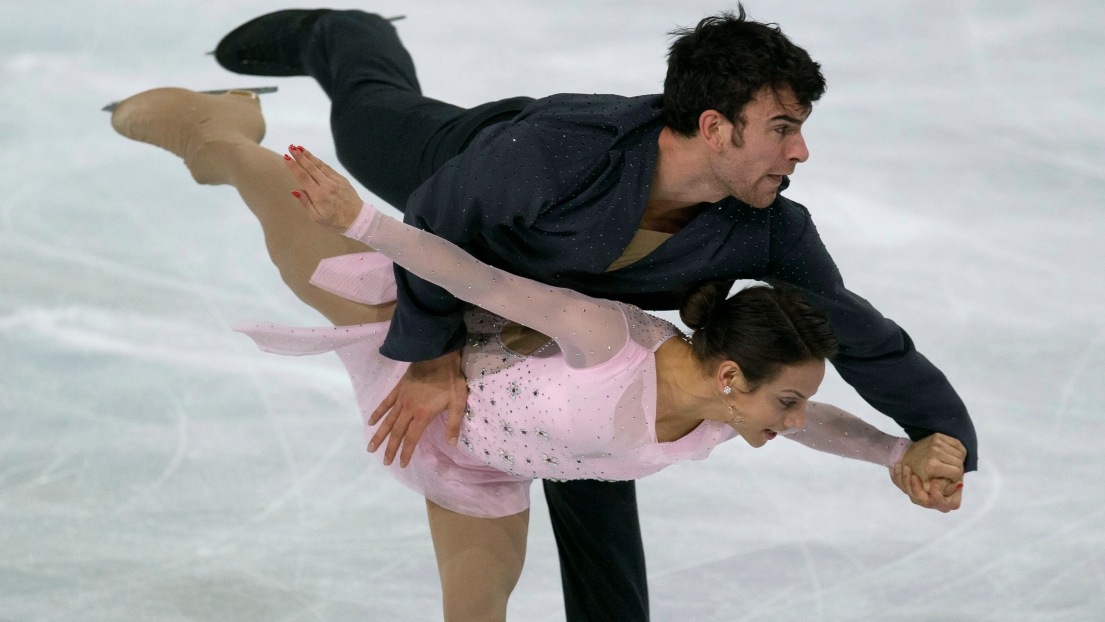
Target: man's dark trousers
x=391 y=138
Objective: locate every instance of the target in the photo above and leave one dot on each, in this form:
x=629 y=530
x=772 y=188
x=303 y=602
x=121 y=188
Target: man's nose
x=797 y=151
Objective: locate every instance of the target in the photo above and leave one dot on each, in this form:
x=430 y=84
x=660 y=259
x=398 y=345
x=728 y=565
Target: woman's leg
x=479 y=560
x=217 y=136
x=296 y=244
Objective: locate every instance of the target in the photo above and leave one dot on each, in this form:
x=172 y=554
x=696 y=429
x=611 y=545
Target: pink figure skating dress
x=581 y=407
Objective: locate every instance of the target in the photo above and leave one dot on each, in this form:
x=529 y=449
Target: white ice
x=155 y=465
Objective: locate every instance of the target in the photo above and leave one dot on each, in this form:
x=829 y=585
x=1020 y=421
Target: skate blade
x=252 y=91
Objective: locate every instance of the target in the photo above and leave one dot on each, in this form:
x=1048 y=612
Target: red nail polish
x=287 y=157
x=296 y=194
x=301 y=148
x=959 y=485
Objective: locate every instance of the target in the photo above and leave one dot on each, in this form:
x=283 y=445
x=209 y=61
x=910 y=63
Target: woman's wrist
x=898 y=451
x=361 y=224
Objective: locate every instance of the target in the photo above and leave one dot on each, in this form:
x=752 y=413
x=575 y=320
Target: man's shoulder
x=569 y=124
x=788 y=214
x=566 y=141
x=600 y=112
x=782 y=214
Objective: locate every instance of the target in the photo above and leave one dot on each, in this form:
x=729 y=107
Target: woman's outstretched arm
x=589 y=331
x=836 y=431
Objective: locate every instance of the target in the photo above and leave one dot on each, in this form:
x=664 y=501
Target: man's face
x=752 y=165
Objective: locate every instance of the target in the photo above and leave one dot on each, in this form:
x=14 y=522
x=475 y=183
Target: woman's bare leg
x=217 y=136
x=479 y=560
x=296 y=244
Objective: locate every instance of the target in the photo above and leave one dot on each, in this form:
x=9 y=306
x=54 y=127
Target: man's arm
x=467 y=196
x=503 y=180
x=876 y=357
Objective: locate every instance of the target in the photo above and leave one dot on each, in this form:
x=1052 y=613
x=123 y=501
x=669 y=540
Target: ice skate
x=268 y=45
x=271 y=44
x=189 y=124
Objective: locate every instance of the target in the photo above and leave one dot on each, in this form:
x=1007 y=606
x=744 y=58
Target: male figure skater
x=623 y=198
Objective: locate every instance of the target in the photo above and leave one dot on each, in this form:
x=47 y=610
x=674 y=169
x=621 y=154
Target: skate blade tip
x=253 y=91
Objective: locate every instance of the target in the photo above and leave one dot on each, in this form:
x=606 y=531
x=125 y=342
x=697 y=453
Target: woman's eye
x=786 y=404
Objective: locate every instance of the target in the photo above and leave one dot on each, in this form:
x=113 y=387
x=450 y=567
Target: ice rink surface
x=155 y=465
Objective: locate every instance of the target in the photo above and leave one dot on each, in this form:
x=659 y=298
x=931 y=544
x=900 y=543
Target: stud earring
x=733 y=412
x=727 y=390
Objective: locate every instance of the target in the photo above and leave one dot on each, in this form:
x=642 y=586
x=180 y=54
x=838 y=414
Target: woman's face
x=776 y=405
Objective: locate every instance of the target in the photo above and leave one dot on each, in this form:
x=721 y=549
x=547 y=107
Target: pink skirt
x=445 y=475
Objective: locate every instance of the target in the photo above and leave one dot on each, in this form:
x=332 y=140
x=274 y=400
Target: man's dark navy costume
x=554 y=189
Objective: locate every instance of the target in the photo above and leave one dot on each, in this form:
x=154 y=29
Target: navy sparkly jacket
x=557 y=194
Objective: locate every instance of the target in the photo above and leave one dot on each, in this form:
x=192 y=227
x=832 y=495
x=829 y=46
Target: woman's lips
x=769 y=434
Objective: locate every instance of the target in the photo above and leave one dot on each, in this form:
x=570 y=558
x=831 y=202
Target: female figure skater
x=611 y=393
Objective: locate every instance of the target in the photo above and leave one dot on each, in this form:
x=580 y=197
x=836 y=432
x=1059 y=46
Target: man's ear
x=714 y=129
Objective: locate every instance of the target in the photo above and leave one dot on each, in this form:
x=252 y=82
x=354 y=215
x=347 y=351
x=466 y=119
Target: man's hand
x=936 y=456
x=931 y=472
x=427 y=388
x=941 y=494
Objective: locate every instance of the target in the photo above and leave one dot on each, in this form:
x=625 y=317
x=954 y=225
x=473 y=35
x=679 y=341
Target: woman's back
x=536 y=416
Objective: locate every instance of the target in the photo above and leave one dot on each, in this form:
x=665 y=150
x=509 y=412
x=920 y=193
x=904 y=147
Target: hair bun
x=702 y=302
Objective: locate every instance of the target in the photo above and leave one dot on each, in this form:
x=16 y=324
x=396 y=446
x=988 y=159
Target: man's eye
x=784 y=130
x=786 y=404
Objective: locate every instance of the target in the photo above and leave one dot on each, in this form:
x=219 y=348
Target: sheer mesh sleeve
x=839 y=432
x=589 y=331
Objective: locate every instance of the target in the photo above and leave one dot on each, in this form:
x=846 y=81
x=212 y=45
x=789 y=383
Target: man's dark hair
x=724 y=61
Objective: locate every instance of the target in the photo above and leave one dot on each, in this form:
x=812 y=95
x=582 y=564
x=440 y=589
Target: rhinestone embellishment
x=513 y=390
x=549 y=460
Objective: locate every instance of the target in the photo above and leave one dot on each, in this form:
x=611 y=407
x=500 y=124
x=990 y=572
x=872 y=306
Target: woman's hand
x=940 y=493
x=329 y=198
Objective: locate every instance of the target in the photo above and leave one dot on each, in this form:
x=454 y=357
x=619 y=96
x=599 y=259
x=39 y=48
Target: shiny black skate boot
x=268 y=45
